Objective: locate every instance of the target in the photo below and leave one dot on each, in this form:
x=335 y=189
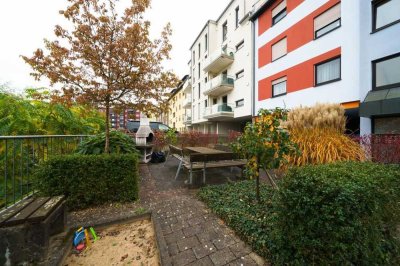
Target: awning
x=381 y=103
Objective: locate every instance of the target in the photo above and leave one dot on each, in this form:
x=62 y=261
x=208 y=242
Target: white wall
x=373 y=46
x=243 y=86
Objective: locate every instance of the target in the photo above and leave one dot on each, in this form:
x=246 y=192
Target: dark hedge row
x=89 y=180
x=337 y=214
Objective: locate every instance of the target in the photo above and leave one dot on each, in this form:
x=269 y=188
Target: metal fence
x=19 y=155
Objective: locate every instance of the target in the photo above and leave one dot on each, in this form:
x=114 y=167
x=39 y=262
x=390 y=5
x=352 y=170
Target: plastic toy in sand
x=81 y=240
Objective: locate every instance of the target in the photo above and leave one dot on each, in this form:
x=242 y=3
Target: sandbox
x=130 y=243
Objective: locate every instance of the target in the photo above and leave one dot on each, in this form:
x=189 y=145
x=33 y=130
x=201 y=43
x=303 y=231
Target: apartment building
x=119 y=119
x=179 y=114
x=221 y=71
x=330 y=51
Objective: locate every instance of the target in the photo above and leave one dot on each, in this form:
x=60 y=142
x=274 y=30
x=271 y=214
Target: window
x=327 y=21
x=240 y=103
x=240 y=74
x=214 y=101
x=199 y=49
x=385 y=13
x=279 y=49
x=199 y=71
x=279 y=12
x=386 y=72
x=205 y=80
x=206 y=43
x=237 y=17
x=279 y=87
x=240 y=45
x=328 y=71
x=224 y=30
x=205 y=103
x=194 y=57
x=386 y=125
x=199 y=90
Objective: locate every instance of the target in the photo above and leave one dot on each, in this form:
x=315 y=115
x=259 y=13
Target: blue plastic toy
x=79 y=236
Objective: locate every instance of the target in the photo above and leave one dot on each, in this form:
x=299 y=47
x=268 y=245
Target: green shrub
x=338 y=214
x=119 y=143
x=89 y=180
x=237 y=205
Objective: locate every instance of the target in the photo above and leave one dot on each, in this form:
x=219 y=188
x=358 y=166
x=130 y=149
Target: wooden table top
x=204 y=150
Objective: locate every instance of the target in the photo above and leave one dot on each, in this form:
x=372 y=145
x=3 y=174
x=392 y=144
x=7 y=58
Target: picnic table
x=202 y=158
x=203 y=150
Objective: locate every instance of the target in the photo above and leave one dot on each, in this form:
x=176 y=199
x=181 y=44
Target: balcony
x=219 y=85
x=219 y=112
x=187 y=87
x=187 y=102
x=187 y=120
x=219 y=60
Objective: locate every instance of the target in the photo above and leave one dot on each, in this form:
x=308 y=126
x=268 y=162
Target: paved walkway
x=191 y=234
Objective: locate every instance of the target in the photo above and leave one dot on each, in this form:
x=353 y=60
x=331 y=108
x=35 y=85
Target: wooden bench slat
x=21 y=216
x=220 y=164
x=44 y=211
x=8 y=213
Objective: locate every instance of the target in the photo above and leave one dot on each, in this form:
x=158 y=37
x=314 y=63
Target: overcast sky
x=24 y=24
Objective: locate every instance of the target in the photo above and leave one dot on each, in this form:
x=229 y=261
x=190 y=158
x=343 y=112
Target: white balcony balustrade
x=219 y=60
x=219 y=112
x=219 y=85
x=187 y=102
x=187 y=119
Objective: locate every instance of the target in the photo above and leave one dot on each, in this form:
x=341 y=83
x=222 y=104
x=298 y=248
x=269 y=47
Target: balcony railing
x=187 y=120
x=220 y=85
x=187 y=87
x=19 y=156
x=219 y=60
x=187 y=103
x=219 y=111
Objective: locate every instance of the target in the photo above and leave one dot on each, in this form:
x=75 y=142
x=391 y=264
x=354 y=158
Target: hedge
x=89 y=180
x=341 y=214
x=336 y=214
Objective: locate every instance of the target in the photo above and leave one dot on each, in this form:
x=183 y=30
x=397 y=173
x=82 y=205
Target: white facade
x=352 y=41
x=373 y=46
x=221 y=71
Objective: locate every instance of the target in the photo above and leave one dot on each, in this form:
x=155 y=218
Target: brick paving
x=189 y=232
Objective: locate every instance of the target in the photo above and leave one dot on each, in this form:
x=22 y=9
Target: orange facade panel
x=298 y=35
x=299 y=77
x=351 y=105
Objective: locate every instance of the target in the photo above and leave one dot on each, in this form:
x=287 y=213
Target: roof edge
x=261 y=9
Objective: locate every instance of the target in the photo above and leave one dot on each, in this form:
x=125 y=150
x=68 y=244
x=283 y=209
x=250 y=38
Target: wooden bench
x=178 y=153
x=198 y=161
x=28 y=225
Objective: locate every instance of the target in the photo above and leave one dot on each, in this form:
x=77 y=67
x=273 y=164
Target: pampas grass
x=319 y=133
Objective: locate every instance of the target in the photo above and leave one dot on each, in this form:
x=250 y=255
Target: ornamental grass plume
x=319 y=133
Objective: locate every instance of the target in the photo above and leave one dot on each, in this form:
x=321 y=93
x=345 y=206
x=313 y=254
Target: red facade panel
x=298 y=35
x=265 y=19
x=299 y=77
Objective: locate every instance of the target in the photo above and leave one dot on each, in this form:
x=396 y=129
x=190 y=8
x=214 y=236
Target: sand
x=125 y=244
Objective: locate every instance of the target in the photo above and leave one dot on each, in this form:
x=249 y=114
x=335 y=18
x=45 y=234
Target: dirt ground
x=124 y=244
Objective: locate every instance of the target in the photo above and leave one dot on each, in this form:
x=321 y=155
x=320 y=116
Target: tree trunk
x=258 y=182
x=107 y=145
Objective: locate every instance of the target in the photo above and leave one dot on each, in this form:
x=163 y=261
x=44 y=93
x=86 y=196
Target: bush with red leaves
x=383 y=148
